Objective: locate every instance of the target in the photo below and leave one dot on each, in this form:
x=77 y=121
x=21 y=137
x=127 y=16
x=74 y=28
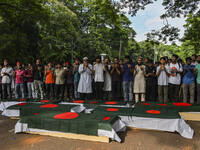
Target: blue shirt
x=76 y=76
x=189 y=76
x=128 y=75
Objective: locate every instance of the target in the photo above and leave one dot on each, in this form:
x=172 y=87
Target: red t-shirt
x=19 y=78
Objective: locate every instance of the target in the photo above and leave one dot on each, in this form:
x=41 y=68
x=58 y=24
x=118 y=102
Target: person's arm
x=74 y=69
x=91 y=70
x=14 y=74
x=118 y=70
x=158 y=71
x=184 y=71
x=130 y=67
x=112 y=69
x=167 y=73
x=81 y=68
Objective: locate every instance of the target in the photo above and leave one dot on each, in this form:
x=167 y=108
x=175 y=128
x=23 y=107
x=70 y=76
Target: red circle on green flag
x=36 y=113
x=79 y=101
x=106 y=118
x=66 y=115
x=182 y=104
x=162 y=104
x=145 y=103
x=153 y=111
x=112 y=109
x=111 y=103
x=93 y=102
x=49 y=106
x=45 y=101
x=21 y=104
x=21 y=99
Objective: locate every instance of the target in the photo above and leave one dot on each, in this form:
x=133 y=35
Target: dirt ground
x=131 y=140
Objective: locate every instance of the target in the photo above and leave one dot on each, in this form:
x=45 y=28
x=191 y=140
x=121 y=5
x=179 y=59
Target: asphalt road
x=132 y=140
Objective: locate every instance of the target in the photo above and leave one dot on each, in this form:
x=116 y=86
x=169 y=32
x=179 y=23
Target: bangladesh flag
x=70 y=122
x=177 y=106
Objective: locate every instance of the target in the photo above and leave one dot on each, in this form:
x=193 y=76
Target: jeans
x=98 y=90
x=75 y=89
x=39 y=89
x=31 y=90
x=116 y=90
x=50 y=88
x=60 y=89
x=163 y=93
x=128 y=91
x=191 y=88
x=6 y=88
x=19 y=87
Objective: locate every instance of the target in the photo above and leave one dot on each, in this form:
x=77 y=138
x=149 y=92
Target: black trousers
x=6 y=88
x=85 y=96
x=151 y=91
x=70 y=89
x=60 y=90
x=99 y=90
x=50 y=89
x=116 y=90
x=174 y=92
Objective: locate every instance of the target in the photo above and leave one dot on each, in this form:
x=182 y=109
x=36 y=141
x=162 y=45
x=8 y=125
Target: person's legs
x=75 y=89
x=136 y=97
x=118 y=90
x=125 y=88
x=192 y=92
x=176 y=92
x=57 y=91
x=33 y=90
x=185 y=92
x=22 y=89
x=29 y=89
x=40 y=83
x=165 y=89
x=4 y=91
x=16 y=90
x=160 y=93
x=62 y=91
x=143 y=97
x=171 y=92
x=47 y=90
x=130 y=87
x=198 y=93
x=52 y=90
x=36 y=89
x=9 y=90
x=1 y=92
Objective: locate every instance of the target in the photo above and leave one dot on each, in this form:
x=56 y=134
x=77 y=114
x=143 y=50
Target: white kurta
x=139 y=82
x=85 y=83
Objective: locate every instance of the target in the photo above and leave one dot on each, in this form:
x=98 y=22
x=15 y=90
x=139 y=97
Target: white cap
x=85 y=58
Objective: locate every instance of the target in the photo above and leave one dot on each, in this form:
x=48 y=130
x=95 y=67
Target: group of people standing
x=164 y=81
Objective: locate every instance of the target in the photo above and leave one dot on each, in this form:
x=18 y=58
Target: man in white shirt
x=85 y=83
x=98 y=78
x=175 y=79
x=163 y=73
x=6 y=74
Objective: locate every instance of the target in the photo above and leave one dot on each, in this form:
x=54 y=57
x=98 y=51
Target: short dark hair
x=98 y=57
x=150 y=61
x=194 y=55
x=163 y=58
x=127 y=57
x=116 y=58
x=188 y=58
x=176 y=56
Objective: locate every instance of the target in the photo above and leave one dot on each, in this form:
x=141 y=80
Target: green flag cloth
x=177 y=106
x=70 y=122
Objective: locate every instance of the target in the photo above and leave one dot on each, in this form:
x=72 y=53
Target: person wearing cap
x=85 y=83
x=59 y=75
x=6 y=74
x=69 y=81
x=98 y=78
x=19 y=75
x=128 y=78
x=49 y=81
x=139 y=82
